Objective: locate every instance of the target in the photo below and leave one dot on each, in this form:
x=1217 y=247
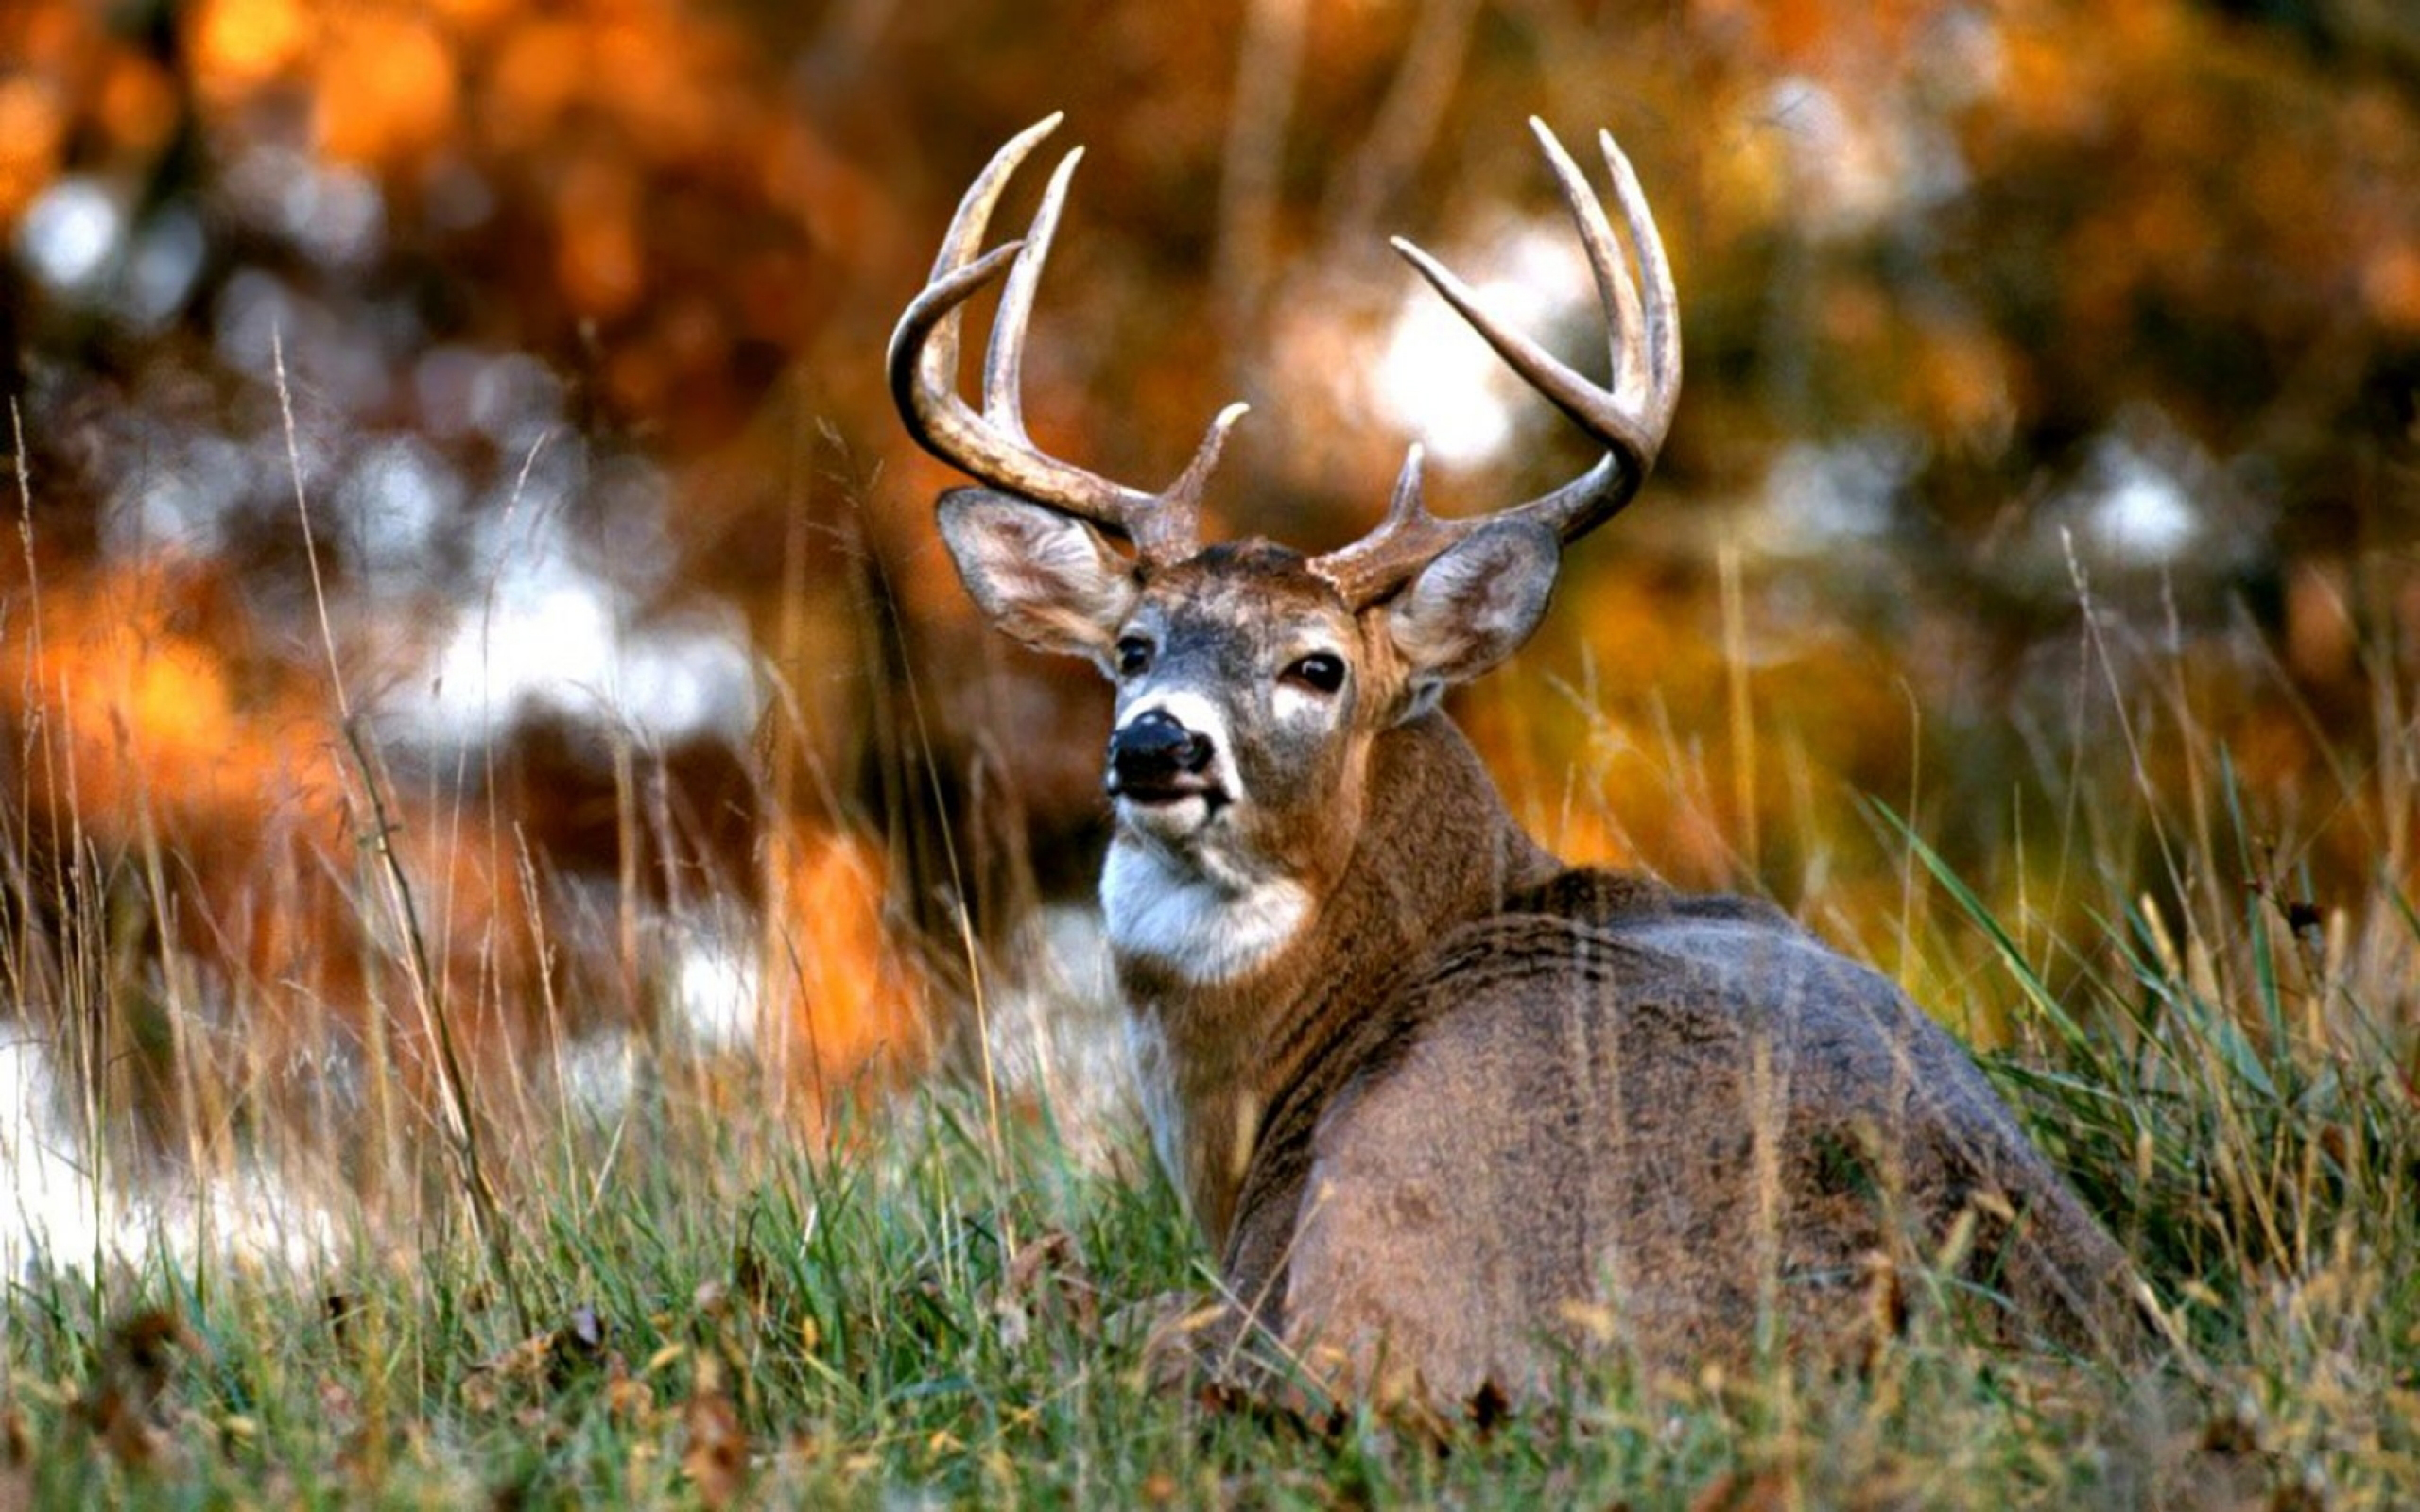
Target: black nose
x=1153 y=751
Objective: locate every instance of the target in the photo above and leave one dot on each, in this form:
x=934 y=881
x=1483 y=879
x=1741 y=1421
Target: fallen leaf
x=627 y=1398
x=1046 y=1277
x=1736 y=1491
x=125 y=1406
x=716 y=1461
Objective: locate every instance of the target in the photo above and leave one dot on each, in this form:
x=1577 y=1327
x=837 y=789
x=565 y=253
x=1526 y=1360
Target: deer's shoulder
x=1603 y=941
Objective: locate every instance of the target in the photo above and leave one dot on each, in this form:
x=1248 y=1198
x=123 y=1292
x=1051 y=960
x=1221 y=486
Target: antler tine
x=1615 y=293
x=1663 y=312
x=1360 y=572
x=1630 y=418
x=994 y=446
x=1004 y=359
x=935 y=355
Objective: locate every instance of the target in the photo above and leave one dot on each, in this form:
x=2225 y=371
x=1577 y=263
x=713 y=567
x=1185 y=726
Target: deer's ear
x=1041 y=577
x=1473 y=606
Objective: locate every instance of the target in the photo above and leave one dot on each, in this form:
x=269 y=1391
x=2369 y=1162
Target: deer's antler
x=992 y=446
x=1629 y=419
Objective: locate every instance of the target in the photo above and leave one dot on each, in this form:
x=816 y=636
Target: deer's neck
x=1282 y=964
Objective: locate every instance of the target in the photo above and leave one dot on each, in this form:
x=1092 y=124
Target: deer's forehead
x=1254 y=595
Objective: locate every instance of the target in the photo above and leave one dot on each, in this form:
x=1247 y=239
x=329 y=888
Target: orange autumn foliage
x=846 y=988
x=143 y=740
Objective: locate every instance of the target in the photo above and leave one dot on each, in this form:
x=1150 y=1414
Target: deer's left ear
x=1473 y=606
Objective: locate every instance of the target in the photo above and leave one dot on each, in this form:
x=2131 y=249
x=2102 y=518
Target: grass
x=681 y=1296
x=895 y=1317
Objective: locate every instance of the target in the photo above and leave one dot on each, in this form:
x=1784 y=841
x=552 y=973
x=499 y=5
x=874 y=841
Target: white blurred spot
x=253 y=313
x=547 y=634
x=1438 y=379
x=687 y=679
x=510 y=398
x=2143 y=515
x=182 y=501
x=541 y=634
x=715 y=988
x=1057 y=1035
x=1820 y=495
x=394 y=503
x=334 y=214
x=514 y=398
x=70 y=233
x=55 y=1215
x=48 y=1210
x=1859 y=159
x=331 y=211
x=599 y=1073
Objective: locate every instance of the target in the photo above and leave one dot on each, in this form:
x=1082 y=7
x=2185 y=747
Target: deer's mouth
x=1167 y=792
x=1170 y=809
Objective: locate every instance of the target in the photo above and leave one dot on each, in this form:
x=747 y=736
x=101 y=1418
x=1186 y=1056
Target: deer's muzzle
x=1154 y=759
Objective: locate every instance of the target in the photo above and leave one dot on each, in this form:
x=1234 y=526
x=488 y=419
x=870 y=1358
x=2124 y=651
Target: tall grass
x=938 y=1296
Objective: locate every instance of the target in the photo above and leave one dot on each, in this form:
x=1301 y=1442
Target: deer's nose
x=1154 y=752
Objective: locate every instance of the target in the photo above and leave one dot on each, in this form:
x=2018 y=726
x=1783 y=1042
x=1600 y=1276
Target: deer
x=1449 y=1110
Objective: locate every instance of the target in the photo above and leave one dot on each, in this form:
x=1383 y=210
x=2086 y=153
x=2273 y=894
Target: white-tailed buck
x=1448 y=1108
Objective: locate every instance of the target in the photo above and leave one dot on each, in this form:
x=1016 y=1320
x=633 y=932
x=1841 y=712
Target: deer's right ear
x=1473 y=607
x=1045 y=578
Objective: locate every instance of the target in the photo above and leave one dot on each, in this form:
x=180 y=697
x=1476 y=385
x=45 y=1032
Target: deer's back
x=1615 y=1114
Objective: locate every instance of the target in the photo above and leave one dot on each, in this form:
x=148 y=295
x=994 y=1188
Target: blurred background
x=467 y=579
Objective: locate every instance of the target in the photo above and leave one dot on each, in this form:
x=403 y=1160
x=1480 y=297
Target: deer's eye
x=1134 y=655
x=1320 y=672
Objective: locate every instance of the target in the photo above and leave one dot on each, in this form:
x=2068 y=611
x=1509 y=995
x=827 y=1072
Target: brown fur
x=1507 y=1110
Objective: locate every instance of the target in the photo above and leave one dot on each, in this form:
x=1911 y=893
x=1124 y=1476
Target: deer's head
x=1252 y=680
